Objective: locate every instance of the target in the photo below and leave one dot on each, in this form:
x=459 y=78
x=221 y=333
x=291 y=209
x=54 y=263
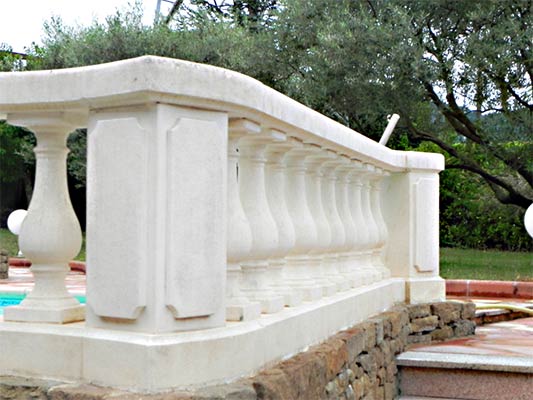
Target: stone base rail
x=220 y=215
x=356 y=363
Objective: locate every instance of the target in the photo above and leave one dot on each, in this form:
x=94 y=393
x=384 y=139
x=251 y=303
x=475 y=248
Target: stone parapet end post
x=411 y=209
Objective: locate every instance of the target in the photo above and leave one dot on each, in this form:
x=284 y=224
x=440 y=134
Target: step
x=465 y=376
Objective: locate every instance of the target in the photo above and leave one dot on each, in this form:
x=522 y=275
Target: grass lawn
x=486 y=265
x=8 y=242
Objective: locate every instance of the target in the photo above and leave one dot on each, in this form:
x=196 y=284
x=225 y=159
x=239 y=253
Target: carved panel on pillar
x=193 y=194
x=426 y=205
x=116 y=230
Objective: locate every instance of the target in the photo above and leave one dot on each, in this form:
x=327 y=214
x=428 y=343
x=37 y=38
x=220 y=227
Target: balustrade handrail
x=171 y=81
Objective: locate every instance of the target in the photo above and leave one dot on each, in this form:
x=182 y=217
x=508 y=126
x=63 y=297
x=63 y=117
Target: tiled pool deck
x=21 y=281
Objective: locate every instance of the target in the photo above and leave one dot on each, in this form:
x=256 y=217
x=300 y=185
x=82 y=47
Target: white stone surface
x=252 y=189
x=50 y=235
x=144 y=362
x=156 y=200
x=148 y=78
x=239 y=241
x=425 y=290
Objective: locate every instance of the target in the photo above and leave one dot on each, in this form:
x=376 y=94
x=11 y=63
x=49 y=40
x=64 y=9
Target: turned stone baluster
x=372 y=227
x=342 y=192
x=256 y=274
x=239 y=242
x=364 y=271
x=375 y=198
x=275 y=184
x=50 y=236
x=338 y=237
x=314 y=180
x=299 y=263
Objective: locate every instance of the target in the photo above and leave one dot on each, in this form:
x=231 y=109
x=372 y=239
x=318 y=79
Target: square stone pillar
x=156 y=218
x=411 y=210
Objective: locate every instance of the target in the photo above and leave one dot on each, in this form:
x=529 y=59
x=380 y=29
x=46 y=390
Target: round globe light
x=15 y=219
x=528 y=220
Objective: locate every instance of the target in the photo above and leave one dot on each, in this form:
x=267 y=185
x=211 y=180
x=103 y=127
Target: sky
x=21 y=21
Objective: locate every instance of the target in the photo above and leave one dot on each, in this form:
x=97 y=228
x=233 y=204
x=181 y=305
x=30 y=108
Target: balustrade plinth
x=238 y=306
x=291 y=296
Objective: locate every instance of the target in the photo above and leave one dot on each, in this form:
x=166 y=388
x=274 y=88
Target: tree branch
x=504 y=192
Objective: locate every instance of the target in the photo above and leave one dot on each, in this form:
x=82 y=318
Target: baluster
x=299 y=263
x=329 y=201
x=239 y=242
x=50 y=236
x=363 y=270
x=256 y=274
x=375 y=197
x=372 y=228
x=314 y=179
x=343 y=170
x=275 y=184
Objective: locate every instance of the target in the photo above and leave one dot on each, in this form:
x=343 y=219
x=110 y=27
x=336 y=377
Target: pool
x=12 y=299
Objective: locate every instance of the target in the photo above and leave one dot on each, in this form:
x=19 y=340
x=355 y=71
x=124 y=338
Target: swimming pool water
x=12 y=299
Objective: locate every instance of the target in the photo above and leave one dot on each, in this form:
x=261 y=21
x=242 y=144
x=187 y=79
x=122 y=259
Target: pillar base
x=271 y=305
x=290 y=297
x=328 y=289
x=53 y=316
x=243 y=312
x=312 y=293
x=425 y=290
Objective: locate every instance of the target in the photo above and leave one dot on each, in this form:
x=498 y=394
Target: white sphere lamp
x=528 y=220
x=14 y=223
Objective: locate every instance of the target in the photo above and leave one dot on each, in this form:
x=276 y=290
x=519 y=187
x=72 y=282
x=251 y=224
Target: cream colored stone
x=156 y=198
x=50 y=235
x=425 y=290
x=149 y=78
x=138 y=361
x=239 y=242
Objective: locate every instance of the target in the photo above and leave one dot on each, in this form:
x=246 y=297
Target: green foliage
x=9 y=61
x=8 y=242
x=472 y=218
x=77 y=158
x=16 y=156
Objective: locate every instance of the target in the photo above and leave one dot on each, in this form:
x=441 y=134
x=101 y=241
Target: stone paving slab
x=505 y=346
x=465 y=361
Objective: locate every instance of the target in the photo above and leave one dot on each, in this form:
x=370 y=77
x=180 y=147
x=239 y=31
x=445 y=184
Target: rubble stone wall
x=4 y=264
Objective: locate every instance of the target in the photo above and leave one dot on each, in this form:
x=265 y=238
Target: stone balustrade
x=212 y=202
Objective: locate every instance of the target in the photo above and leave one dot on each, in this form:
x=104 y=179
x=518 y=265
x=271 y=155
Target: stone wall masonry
x=4 y=265
x=355 y=364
